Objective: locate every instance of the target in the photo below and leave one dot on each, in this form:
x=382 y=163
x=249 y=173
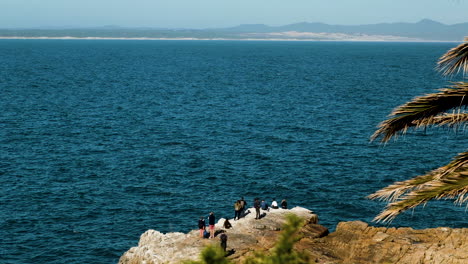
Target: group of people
x=264 y=206
x=211 y=225
x=240 y=207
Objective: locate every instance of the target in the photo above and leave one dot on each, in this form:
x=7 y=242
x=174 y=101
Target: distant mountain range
x=424 y=30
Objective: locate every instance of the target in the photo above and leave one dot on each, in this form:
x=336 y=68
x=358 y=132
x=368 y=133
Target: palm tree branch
x=420 y=108
x=392 y=193
x=450 y=120
x=449 y=188
x=454 y=60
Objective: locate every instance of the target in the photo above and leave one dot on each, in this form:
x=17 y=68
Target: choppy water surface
x=102 y=140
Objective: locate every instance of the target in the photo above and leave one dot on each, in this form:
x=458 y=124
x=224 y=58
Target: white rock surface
x=156 y=247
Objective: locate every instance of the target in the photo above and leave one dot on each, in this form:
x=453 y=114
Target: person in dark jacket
x=201 y=226
x=284 y=204
x=264 y=206
x=211 y=223
x=227 y=224
x=223 y=238
x=257 y=208
x=243 y=207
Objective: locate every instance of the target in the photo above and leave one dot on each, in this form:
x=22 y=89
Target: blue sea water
x=102 y=140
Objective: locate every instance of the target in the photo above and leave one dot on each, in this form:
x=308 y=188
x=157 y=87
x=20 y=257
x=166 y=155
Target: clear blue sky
x=223 y=13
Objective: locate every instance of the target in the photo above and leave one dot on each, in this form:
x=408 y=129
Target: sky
x=223 y=13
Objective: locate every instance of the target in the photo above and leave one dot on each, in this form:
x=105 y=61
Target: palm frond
x=449 y=181
x=455 y=60
x=420 y=108
x=393 y=192
x=449 y=188
x=450 y=120
x=459 y=163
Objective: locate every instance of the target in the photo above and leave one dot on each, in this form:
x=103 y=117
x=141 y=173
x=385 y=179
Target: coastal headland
x=425 y=30
x=352 y=242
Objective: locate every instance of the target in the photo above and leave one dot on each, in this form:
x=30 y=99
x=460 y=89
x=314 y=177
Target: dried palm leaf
x=455 y=60
x=420 y=108
x=449 y=188
x=411 y=193
x=393 y=192
x=450 y=120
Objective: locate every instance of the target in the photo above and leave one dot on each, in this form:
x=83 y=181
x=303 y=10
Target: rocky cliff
x=352 y=242
x=357 y=242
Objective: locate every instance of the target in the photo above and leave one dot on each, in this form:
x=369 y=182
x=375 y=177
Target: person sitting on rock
x=274 y=204
x=227 y=224
x=264 y=206
x=206 y=234
x=284 y=204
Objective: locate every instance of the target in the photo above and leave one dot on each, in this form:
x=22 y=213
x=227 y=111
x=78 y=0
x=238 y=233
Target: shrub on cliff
x=211 y=255
x=284 y=251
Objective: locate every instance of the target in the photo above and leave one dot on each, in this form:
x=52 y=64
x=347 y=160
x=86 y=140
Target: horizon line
x=227 y=39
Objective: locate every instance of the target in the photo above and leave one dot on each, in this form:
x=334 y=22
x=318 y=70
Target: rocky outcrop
x=245 y=236
x=357 y=242
x=352 y=242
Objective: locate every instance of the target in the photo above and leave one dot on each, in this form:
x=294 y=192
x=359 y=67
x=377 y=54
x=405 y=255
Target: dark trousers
x=237 y=214
x=257 y=211
x=224 y=245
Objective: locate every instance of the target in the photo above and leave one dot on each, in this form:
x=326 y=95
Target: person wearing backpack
x=223 y=238
x=201 y=226
x=243 y=207
x=237 y=209
x=257 y=208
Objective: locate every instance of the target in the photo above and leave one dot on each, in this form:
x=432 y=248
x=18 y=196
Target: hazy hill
x=423 y=30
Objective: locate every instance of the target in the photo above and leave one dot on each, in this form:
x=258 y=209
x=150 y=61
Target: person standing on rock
x=243 y=207
x=201 y=226
x=237 y=209
x=211 y=223
x=223 y=238
x=257 y=208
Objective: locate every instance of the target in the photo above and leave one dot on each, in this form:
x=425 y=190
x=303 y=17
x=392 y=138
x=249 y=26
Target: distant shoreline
x=228 y=39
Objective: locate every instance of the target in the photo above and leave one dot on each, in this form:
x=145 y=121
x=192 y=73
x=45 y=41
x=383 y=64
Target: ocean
x=101 y=140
